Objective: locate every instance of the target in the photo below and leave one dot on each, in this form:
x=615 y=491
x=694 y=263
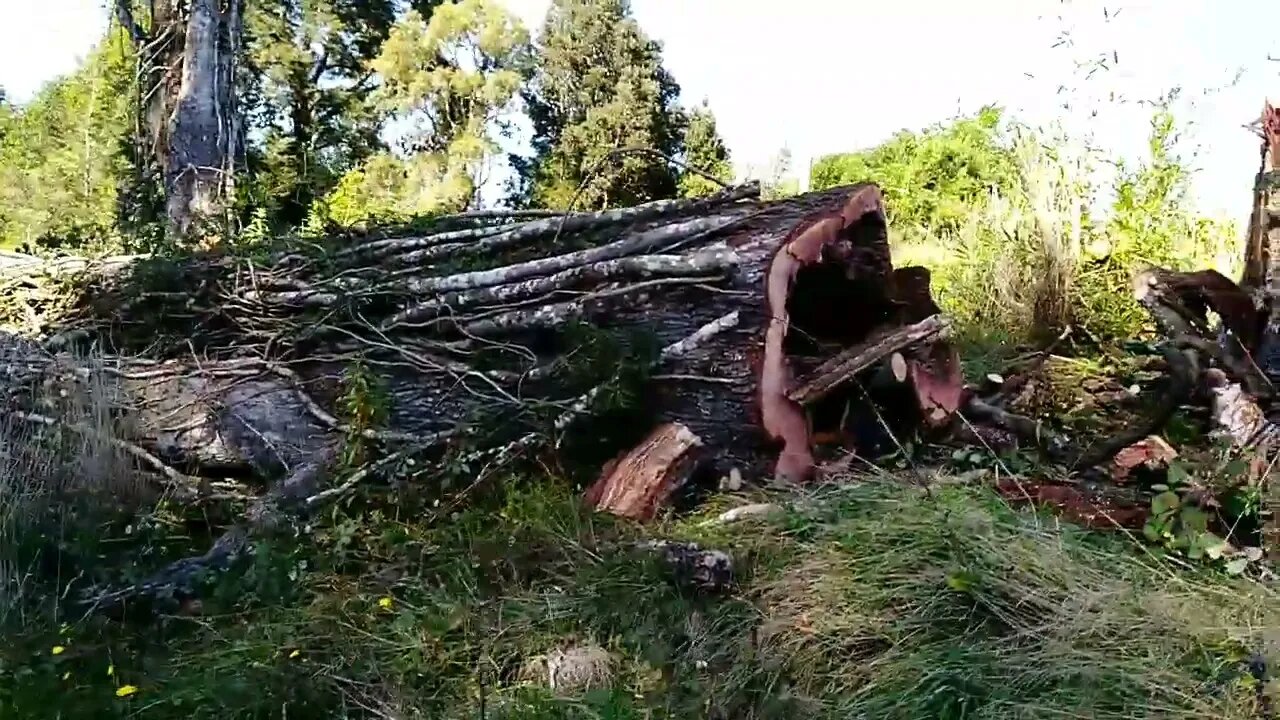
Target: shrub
x=1009 y=219
x=932 y=180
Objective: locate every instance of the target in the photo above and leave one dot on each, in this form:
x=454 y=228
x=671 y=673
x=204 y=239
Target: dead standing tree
x=187 y=63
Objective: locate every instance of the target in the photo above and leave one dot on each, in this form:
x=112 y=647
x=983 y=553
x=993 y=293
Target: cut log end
x=639 y=483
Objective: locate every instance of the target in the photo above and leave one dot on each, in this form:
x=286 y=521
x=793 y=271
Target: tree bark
x=188 y=62
x=735 y=297
x=1261 y=276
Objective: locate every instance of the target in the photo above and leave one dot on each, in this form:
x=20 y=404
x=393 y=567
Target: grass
x=58 y=485
x=875 y=599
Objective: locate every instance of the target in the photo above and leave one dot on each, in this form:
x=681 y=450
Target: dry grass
x=57 y=482
x=1048 y=254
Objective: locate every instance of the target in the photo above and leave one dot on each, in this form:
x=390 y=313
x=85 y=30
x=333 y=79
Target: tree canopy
x=61 y=154
x=597 y=87
x=308 y=89
x=706 y=152
x=348 y=112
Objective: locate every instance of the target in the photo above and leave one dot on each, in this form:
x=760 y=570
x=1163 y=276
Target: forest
x=393 y=359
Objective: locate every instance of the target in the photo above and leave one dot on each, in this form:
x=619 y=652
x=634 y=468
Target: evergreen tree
x=597 y=86
x=60 y=154
x=448 y=83
x=310 y=83
x=706 y=152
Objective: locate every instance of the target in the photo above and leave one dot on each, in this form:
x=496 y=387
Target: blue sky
x=820 y=76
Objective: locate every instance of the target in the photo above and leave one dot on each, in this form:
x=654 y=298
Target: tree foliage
x=308 y=84
x=704 y=151
x=447 y=83
x=61 y=159
x=596 y=86
x=933 y=178
x=1150 y=222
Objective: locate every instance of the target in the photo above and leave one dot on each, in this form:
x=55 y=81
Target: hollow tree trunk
x=489 y=332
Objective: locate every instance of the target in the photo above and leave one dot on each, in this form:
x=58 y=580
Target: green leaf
x=1214 y=546
x=1178 y=474
x=1165 y=502
x=1151 y=531
x=960 y=581
x=1236 y=467
x=1236 y=566
x=1194 y=520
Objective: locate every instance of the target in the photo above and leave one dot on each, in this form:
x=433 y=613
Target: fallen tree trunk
x=517 y=327
x=488 y=338
x=744 y=332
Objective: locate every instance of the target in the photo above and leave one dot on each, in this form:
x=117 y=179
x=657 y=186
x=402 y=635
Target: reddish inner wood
x=784 y=420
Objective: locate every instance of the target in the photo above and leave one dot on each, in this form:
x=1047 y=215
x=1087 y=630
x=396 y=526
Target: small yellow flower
x=58 y=650
x=385 y=603
x=294 y=654
x=126 y=690
x=66 y=675
x=111 y=670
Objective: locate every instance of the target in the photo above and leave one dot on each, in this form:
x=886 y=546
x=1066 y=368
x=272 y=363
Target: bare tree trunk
x=1262 y=254
x=188 y=61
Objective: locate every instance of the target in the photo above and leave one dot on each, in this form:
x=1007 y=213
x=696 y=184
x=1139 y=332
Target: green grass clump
x=876 y=599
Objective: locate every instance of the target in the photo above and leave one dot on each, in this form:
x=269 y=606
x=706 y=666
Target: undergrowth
x=873 y=599
x=1021 y=241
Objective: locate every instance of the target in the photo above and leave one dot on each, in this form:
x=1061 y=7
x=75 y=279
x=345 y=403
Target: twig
x=178 y=480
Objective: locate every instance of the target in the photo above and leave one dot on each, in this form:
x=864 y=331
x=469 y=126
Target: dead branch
x=556 y=225
x=841 y=369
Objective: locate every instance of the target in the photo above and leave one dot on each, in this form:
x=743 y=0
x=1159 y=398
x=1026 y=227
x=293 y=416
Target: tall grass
x=58 y=482
x=1031 y=244
x=867 y=599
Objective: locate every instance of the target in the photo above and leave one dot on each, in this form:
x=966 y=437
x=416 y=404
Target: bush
x=1008 y=219
x=932 y=180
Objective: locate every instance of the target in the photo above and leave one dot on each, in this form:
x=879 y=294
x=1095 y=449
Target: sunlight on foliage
x=1009 y=221
x=450 y=79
